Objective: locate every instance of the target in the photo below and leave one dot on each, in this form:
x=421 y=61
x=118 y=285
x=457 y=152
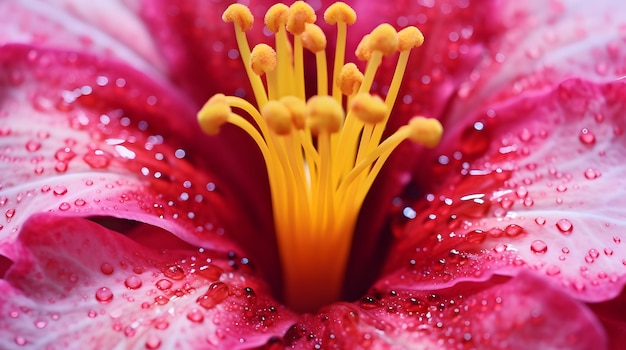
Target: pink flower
x=125 y=226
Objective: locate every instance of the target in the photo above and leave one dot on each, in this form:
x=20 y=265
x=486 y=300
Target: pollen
x=322 y=139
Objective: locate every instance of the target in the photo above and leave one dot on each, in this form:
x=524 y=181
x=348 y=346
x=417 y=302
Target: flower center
x=322 y=153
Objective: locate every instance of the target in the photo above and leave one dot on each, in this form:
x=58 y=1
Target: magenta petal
x=546 y=195
x=524 y=312
x=104 y=289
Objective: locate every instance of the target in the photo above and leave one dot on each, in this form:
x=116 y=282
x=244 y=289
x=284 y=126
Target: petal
x=109 y=29
x=67 y=288
x=545 y=162
x=83 y=136
x=525 y=312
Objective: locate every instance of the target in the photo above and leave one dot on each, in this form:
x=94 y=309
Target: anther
x=262 y=59
x=313 y=38
x=340 y=12
x=425 y=131
x=350 y=79
x=240 y=15
x=368 y=108
x=297 y=108
x=276 y=17
x=383 y=38
x=324 y=113
x=363 y=51
x=299 y=14
x=278 y=117
x=409 y=38
x=214 y=114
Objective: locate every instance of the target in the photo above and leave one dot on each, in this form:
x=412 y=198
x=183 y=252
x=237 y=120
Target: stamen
x=322 y=155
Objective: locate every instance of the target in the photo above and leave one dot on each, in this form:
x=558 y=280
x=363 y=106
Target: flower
x=126 y=226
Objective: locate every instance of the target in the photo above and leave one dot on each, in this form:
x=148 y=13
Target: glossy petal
x=545 y=196
x=525 y=312
x=105 y=142
x=105 y=290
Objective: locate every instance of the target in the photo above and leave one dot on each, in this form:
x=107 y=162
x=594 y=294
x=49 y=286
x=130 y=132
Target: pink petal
x=83 y=136
x=103 y=289
x=550 y=161
x=525 y=312
x=110 y=29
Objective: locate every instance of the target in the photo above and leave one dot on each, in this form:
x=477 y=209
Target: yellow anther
x=297 y=108
x=262 y=59
x=350 y=79
x=313 y=38
x=384 y=38
x=340 y=12
x=409 y=38
x=368 y=108
x=278 y=117
x=425 y=131
x=324 y=113
x=214 y=114
x=276 y=17
x=363 y=51
x=300 y=13
x=240 y=15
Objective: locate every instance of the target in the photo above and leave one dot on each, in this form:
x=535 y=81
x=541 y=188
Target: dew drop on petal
x=59 y=190
x=92 y=314
x=216 y=293
x=161 y=300
x=174 y=272
x=106 y=268
x=64 y=206
x=540 y=220
x=97 y=159
x=565 y=226
x=132 y=282
x=153 y=342
x=513 y=230
x=586 y=137
x=164 y=284
x=538 y=247
x=33 y=146
x=80 y=202
x=195 y=315
x=591 y=174
x=104 y=295
x=553 y=270
x=20 y=340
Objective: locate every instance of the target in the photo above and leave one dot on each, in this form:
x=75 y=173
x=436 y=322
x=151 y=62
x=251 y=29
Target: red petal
x=85 y=136
x=525 y=312
x=542 y=171
x=104 y=289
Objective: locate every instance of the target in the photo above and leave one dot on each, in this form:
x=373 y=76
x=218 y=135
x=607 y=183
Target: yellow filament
x=322 y=154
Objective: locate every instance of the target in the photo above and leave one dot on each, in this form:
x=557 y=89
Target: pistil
x=323 y=153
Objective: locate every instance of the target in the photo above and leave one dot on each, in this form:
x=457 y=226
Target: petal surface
x=67 y=289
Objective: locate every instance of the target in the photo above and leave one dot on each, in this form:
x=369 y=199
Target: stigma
x=323 y=149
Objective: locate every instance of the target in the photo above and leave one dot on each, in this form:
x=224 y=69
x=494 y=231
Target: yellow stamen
x=322 y=154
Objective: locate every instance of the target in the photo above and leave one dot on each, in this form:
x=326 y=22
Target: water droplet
x=64 y=155
x=106 y=268
x=161 y=300
x=9 y=213
x=97 y=159
x=565 y=226
x=92 y=314
x=553 y=270
x=513 y=230
x=164 y=284
x=33 y=146
x=476 y=236
x=594 y=253
x=591 y=174
x=538 y=247
x=587 y=137
x=174 y=272
x=59 y=191
x=104 y=295
x=41 y=324
x=60 y=167
x=153 y=342
x=608 y=251
x=617 y=240
x=210 y=272
x=133 y=282
x=20 y=340
x=79 y=202
x=195 y=315
x=216 y=293
x=65 y=206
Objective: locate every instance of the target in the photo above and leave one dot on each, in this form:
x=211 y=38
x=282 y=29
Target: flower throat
x=323 y=153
